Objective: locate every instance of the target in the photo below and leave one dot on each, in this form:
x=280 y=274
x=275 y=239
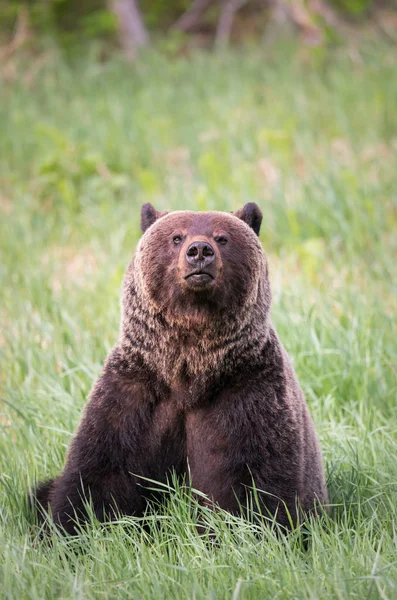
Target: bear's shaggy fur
x=198 y=382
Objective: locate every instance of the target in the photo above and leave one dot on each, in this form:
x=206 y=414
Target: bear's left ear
x=149 y=215
x=250 y=214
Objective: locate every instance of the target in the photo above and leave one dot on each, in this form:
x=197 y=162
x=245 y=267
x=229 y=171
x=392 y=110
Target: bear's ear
x=251 y=215
x=149 y=215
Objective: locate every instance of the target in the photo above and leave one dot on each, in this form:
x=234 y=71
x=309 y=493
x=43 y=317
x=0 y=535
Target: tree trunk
x=226 y=18
x=133 y=33
x=191 y=18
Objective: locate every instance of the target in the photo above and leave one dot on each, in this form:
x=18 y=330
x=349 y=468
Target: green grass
x=312 y=137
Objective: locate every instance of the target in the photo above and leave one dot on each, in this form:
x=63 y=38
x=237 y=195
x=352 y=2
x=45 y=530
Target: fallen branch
x=296 y=12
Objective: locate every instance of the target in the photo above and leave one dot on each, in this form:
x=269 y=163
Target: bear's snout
x=200 y=254
x=200 y=258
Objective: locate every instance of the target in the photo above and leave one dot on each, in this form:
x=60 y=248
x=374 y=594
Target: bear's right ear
x=149 y=215
x=251 y=214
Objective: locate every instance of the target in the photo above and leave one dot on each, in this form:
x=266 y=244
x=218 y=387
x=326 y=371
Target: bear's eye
x=177 y=239
x=221 y=239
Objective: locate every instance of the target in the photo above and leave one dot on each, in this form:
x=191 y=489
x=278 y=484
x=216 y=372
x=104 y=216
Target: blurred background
x=201 y=105
x=183 y=24
x=180 y=25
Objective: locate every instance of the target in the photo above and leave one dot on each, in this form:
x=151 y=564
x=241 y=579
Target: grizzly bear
x=198 y=383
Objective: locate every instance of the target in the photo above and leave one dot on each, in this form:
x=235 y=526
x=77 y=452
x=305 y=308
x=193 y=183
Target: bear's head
x=189 y=265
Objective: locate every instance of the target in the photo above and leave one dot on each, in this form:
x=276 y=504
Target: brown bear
x=198 y=383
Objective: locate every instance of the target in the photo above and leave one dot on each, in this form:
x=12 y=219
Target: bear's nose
x=200 y=252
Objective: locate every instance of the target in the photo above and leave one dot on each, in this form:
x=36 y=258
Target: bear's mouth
x=198 y=278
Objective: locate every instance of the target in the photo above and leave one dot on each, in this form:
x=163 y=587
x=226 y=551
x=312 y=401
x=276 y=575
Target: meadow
x=311 y=136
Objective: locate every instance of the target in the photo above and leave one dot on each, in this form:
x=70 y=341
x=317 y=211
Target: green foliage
x=70 y=173
x=354 y=7
x=161 y=13
x=311 y=139
x=99 y=23
x=68 y=21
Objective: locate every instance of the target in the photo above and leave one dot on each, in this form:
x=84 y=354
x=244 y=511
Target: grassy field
x=309 y=135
